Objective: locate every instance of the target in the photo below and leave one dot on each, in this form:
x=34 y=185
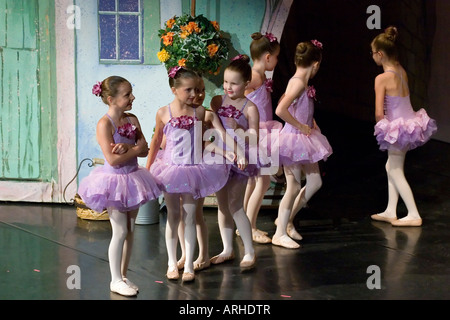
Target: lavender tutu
x=124 y=187
x=261 y=97
x=296 y=147
x=402 y=129
x=230 y=113
x=178 y=169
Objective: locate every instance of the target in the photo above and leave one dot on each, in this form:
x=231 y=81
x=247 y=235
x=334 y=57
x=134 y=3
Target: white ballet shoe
x=123 y=289
x=131 y=284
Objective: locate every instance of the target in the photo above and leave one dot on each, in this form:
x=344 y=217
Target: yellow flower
x=212 y=49
x=182 y=62
x=163 y=55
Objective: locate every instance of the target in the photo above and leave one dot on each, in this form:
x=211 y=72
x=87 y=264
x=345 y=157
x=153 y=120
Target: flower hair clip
x=97 y=89
x=317 y=44
x=238 y=57
x=271 y=37
x=173 y=71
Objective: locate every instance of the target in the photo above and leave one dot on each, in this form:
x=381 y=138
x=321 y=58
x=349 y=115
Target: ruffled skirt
x=199 y=180
x=103 y=189
x=298 y=148
x=404 y=135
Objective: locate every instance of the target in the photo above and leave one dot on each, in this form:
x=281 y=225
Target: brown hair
x=386 y=42
x=182 y=74
x=110 y=87
x=262 y=44
x=241 y=64
x=307 y=53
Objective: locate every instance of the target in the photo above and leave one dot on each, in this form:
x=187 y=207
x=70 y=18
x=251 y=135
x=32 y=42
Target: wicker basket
x=86 y=213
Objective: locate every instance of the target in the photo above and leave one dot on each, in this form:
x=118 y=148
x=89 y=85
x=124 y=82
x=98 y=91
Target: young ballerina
x=203 y=260
x=302 y=145
x=239 y=116
x=186 y=179
x=398 y=129
x=120 y=185
x=264 y=51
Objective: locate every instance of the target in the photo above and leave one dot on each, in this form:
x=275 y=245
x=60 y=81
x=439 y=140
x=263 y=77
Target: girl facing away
x=398 y=127
x=264 y=50
x=120 y=185
x=302 y=145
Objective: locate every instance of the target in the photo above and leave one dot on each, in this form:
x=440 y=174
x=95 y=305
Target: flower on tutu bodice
x=229 y=112
x=311 y=93
x=183 y=122
x=128 y=130
x=269 y=85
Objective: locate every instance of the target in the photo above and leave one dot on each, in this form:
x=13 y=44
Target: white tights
x=231 y=210
x=121 y=245
x=398 y=186
x=176 y=212
x=295 y=196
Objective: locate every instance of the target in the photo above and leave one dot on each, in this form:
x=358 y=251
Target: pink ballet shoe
x=379 y=217
x=188 y=277
x=172 y=274
x=248 y=264
x=407 y=223
x=221 y=259
x=201 y=265
x=286 y=242
x=260 y=237
x=180 y=263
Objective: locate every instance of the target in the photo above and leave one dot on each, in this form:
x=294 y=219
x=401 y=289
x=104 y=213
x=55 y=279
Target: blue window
x=120 y=31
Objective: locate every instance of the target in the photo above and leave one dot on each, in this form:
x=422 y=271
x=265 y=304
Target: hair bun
x=391 y=33
x=256 y=35
x=302 y=47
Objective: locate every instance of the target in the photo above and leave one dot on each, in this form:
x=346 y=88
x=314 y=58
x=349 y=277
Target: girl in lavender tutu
x=240 y=117
x=398 y=129
x=120 y=186
x=180 y=168
x=302 y=145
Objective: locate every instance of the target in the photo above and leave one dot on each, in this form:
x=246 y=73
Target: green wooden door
x=27 y=118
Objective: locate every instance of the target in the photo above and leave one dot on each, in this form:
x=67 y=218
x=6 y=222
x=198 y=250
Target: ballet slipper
x=285 y=241
x=379 y=217
x=180 y=263
x=131 y=284
x=292 y=232
x=201 y=265
x=221 y=259
x=259 y=237
x=122 y=288
x=248 y=264
x=172 y=273
x=188 y=276
x=407 y=223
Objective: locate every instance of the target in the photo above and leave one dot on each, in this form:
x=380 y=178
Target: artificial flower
x=182 y=122
x=269 y=85
x=318 y=44
x=97 y=89
x=128 y=130
x=312 y=93
x=229 y=112
x=193 y=42
x=173 y=71
x=271 y=37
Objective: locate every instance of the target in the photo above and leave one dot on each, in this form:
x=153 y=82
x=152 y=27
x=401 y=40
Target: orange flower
x=182 y=62
x=184 y=34
x=170 y=23
x=216 y=25
x=212 y=49
x=190 y=28
x=168 y=39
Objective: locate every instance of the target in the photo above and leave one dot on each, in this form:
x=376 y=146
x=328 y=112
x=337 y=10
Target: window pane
x=107 y=5
x=129 y=37
x=129 y=5
x=108 y=37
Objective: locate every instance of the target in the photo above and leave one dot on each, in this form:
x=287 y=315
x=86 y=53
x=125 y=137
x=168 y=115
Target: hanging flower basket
x=192 y=42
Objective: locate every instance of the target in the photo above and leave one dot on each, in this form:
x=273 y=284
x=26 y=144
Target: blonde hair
x=110 y=87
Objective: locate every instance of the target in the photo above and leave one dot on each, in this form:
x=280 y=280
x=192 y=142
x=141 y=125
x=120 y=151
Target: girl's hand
x=305 y=129
x=120 y=148
x=230 y=156
x=241 y=162
x=142 y=146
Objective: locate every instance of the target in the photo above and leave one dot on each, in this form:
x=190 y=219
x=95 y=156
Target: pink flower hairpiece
x=238 y=57
x=97 y=89
x=317 y=43
x=173 y=71
x=271 y=37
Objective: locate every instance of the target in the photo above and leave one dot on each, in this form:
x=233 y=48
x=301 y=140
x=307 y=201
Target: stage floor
x=344 y=255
